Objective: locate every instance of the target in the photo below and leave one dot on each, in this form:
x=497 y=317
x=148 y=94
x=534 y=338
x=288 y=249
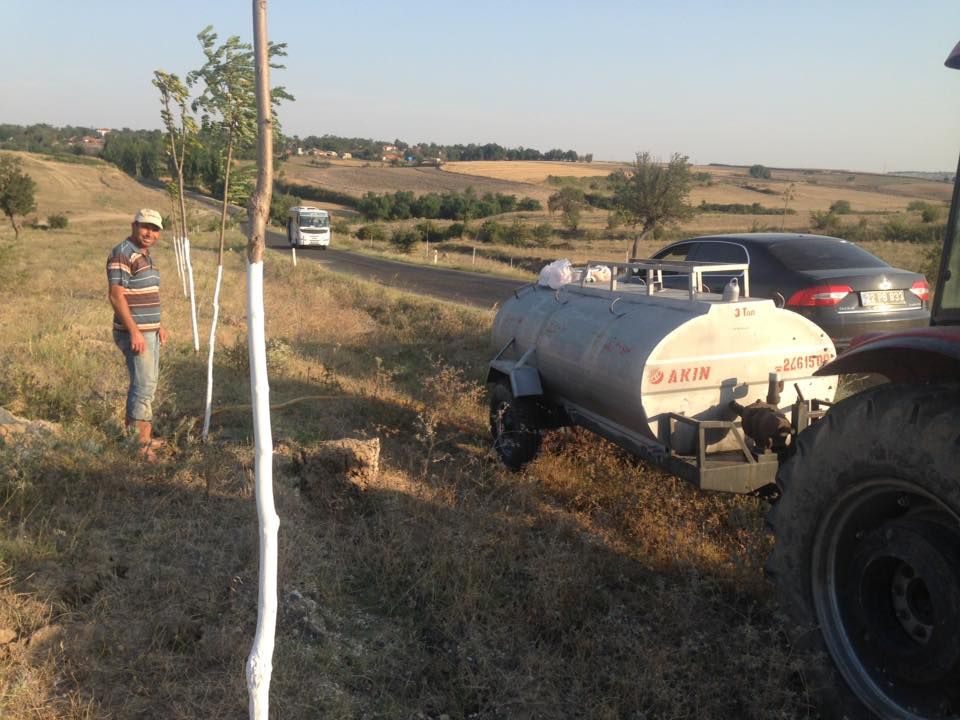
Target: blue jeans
x=144 y=369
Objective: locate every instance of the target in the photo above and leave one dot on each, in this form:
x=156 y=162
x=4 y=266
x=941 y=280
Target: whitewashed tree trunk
x=212 y=345
x=183 y=270
x=193 y=302
x=176 y=256
x=216 y=294
x=260 y=661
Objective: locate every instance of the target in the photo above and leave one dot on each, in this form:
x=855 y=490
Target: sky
x=845 y=84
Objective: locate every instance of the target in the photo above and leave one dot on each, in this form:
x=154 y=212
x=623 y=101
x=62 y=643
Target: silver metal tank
x=624 y=357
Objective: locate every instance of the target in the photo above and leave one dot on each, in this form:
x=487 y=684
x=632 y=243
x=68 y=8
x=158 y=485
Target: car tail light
x=819 y=295
x=921 y=290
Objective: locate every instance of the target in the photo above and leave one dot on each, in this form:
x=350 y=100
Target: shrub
x=825 y=221
x=518 y=234
x=899 y=229
x=528 y=204
x=456 y=230
x=841 y=207
x=542 y=233
x=929 y=213
x=57 y=221
x=491 y=232
x=341 y=227
x=372 y=232
x=404 y=239
x=431 y=232
x=759 y=172
x=743 y=209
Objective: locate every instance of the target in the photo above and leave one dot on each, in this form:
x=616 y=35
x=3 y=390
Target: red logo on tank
x=656 y=376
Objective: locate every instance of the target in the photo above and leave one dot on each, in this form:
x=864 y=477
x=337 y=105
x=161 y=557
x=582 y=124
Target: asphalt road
x=467 y=288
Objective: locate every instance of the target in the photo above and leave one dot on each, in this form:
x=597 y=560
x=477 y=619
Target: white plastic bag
x=598 y=273
x=556 y=274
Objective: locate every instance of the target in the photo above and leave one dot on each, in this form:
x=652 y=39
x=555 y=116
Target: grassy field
x=587 y=586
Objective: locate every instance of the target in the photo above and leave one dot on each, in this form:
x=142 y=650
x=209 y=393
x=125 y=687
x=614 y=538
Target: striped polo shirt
x=133 y=268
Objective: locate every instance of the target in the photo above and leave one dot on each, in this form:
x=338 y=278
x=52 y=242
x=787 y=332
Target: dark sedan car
x=837 y=284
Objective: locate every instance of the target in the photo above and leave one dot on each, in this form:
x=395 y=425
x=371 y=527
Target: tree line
x=467 y=205
x=43 y=138
x=369 y=149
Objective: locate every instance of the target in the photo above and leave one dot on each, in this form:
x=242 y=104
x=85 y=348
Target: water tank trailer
x=710 y=389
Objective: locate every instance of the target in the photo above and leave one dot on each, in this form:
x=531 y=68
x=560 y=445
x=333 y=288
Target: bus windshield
x=314 y=221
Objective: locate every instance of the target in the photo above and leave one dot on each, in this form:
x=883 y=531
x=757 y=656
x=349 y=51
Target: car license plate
x=874 y=298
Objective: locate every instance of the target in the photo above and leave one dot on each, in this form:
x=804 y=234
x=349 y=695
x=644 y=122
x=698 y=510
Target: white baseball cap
x=146 y=215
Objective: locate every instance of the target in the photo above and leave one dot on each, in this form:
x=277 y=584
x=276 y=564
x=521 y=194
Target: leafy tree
x=280 y=206
x=841 y=207
x=569 y=201
x=228 y=101
x=651 y=194
x=181 y=129
x=231 y=104
x=138 y=153
x=760 y=172
x=16 y=191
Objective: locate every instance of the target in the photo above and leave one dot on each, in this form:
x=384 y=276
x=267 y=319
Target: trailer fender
x=926 y=354
x=524 y=380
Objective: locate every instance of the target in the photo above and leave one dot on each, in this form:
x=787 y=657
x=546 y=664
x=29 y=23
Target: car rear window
x=808 y=254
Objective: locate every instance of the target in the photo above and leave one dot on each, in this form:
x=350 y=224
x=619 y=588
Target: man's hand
x=137 y=343
x=163 y=335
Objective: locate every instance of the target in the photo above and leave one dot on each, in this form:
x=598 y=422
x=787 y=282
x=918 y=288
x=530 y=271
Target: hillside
x=588 y=586
x=88 y=192
x=804 y=192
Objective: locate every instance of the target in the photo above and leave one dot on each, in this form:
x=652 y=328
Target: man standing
x=134 y=290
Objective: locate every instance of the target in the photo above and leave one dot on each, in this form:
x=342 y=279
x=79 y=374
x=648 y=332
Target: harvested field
x=530 y=171
x=359 y=178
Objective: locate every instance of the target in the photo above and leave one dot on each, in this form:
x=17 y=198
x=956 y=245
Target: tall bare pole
x=260 y=661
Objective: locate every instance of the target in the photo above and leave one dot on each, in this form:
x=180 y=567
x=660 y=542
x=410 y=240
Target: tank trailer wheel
x=514 y=426
x=866 y=559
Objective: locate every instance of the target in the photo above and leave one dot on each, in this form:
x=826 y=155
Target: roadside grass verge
x=587 y=586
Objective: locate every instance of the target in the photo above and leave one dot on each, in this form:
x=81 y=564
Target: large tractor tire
x=514 y=426
x=866 y=559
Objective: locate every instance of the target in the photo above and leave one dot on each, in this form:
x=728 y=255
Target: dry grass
x=588 y=586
